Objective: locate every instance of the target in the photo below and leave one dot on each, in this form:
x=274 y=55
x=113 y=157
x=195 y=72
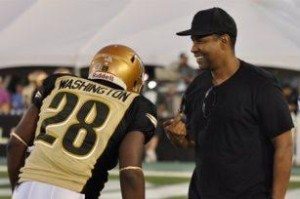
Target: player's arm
x=140 y=131
x=283 y=146
x=24 y=133
x=21 y=137
x=130 y=162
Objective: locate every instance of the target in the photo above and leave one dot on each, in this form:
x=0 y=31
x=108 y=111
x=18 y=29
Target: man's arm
x=283 y=146
x=130 y=161
x=21 y=137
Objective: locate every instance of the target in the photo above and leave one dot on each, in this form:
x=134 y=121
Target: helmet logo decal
x=104 y=68
x=107 y=61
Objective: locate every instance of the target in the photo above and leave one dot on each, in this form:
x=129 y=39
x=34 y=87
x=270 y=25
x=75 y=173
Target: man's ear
x=225 y=41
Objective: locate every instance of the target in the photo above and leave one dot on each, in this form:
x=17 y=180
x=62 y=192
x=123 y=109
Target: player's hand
x=176 y=131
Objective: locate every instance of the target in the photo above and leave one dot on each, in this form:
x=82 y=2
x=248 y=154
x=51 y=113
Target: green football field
x=159 y=177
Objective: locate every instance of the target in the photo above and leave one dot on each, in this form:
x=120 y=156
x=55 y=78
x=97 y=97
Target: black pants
x=193 y=188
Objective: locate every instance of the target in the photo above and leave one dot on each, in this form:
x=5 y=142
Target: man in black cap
x=236 y=117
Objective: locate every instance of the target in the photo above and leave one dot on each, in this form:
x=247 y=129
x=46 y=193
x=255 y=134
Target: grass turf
x=294 y=185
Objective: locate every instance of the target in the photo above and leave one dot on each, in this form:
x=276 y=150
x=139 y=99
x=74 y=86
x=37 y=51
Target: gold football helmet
x=118 y=64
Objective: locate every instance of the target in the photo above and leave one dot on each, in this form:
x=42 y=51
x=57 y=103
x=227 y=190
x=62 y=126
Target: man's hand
x=176 y=132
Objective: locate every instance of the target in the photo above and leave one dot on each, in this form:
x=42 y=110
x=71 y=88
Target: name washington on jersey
x=88 y=86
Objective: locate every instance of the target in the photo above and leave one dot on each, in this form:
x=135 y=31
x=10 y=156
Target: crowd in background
x=14 y=99
x=165 y=94
x=20 y=96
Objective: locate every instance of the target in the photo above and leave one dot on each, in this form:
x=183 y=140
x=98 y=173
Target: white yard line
x=3 y=168
x=4 y=181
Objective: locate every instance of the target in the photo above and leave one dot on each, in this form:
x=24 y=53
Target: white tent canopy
x=69 y=32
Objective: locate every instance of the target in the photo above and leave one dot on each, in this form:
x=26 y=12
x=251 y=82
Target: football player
x=81 y=128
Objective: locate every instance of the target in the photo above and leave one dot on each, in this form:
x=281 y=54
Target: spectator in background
x=151 y=146
x=291 y=96
x=4 y=98
x=169 y=102
x=186 y=72
x=62 y=71
x=17 y=101
x=36 y=79
x=39 y=79
x=29 y=89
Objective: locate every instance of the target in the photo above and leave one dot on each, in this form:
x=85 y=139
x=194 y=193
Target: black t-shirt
x=233 y=125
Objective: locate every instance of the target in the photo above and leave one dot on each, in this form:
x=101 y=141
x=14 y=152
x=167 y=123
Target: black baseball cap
x=211 y=21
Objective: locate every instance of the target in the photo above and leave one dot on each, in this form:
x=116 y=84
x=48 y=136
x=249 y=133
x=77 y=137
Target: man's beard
x=203 y=64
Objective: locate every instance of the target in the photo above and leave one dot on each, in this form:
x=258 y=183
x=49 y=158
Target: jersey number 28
x=73 y=130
